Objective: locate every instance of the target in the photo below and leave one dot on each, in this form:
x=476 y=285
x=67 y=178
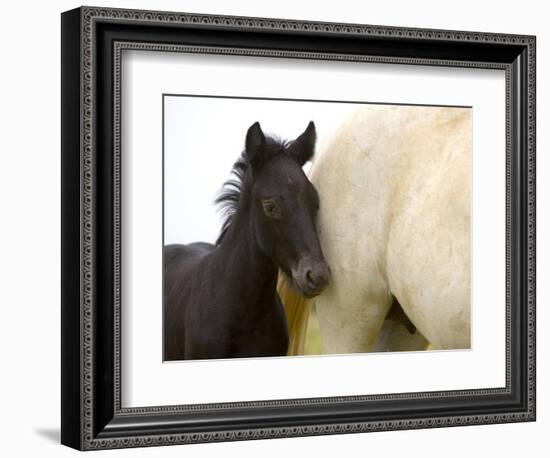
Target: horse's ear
x=304 y=146
x=255 y=140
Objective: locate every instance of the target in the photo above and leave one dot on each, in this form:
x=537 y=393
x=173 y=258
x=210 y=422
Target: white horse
x=395 y=187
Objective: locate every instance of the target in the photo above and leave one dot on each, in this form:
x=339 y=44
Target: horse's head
x=285 y=205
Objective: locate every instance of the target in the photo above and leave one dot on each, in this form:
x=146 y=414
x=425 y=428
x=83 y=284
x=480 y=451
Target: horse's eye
x=271 y=209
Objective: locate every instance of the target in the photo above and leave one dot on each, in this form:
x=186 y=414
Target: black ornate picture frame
x=92 y=42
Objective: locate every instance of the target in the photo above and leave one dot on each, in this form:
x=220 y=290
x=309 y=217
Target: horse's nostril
x=309 y=277
x=315 y=278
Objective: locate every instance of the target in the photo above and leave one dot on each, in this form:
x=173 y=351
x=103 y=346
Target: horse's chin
x=306 y=292
x=310 y=295
x=295 y=285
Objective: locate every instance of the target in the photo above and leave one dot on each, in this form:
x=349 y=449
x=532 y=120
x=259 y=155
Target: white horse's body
x=394 y=185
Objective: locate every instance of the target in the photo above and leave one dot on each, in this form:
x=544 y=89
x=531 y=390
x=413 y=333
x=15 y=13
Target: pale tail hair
x=297 y=311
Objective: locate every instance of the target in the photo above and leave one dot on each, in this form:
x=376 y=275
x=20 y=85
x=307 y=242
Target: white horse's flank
x=394 y=185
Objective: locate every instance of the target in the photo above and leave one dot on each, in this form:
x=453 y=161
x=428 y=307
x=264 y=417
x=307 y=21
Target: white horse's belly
x=432 y=283
x=428 y=255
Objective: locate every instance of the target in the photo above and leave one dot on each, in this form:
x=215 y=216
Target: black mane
x=230 y=194
x=228 y=198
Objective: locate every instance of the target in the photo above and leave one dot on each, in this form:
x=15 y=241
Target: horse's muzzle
x=311 y=277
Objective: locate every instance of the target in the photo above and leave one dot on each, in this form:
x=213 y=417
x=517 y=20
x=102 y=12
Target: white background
x=29 y=246
x=207 y=135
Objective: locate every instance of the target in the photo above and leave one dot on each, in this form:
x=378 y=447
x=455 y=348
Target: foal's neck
x=249 y=272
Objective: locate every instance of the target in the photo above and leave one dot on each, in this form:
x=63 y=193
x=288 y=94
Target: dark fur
x=221 y=300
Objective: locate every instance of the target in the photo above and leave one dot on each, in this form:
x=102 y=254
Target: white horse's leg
x=350 y=317
x=352 y=331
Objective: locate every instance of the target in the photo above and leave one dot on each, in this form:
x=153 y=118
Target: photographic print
x=309 y=227
x=275 y=220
